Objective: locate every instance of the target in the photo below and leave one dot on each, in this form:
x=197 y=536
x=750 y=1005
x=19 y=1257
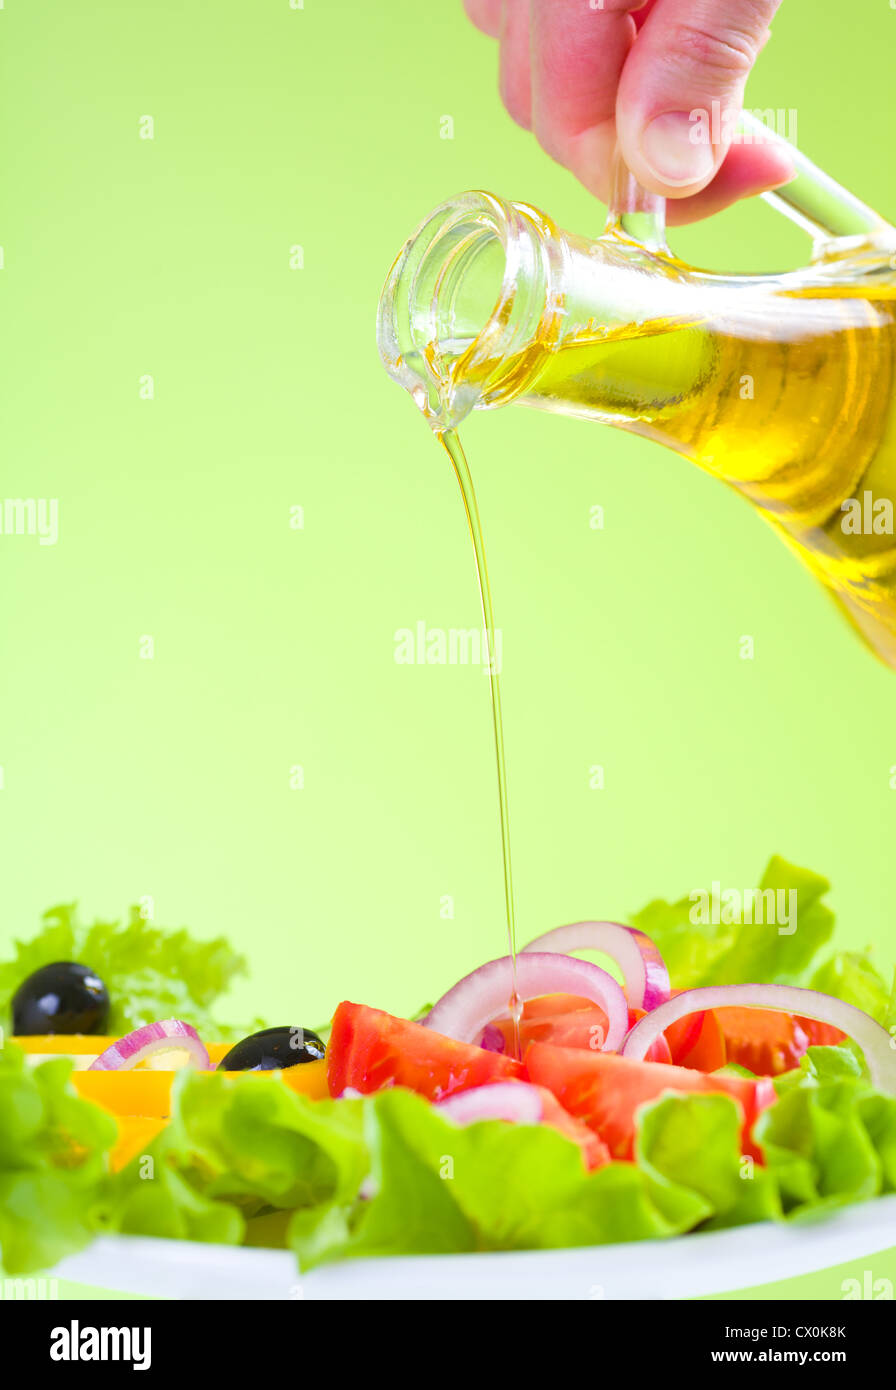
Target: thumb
x=682 y=86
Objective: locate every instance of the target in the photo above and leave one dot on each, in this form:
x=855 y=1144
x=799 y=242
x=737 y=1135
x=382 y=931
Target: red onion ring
x=169 y=1035
x=876 y=1043
x=643 y=968
x=516 y=1101
x=479 y=997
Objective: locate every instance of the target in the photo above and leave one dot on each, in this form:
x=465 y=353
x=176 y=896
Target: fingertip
x=486 y=15
x=760 y=165
x=670 y=160
x=747 y=171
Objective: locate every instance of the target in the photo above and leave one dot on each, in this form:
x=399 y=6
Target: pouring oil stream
x=451 y=443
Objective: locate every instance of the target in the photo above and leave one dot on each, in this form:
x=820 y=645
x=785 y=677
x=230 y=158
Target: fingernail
x=676 y=149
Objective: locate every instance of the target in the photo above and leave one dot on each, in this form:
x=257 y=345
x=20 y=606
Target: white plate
x=687 y=1267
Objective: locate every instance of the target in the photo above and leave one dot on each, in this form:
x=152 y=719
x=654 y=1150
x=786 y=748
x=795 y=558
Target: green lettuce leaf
x=237 y=1146
x=688 y=950
x=162 y=1203
x=437 y=1188
x=246 y=1159
x=878 y=1115
x=854 y=978
x=52 y=1164
x=714 y=952
x=828 y=1142
x=695 y=1143
x=150 y=972
x=824 y=1064
x=434 y=1188
x=765 y=952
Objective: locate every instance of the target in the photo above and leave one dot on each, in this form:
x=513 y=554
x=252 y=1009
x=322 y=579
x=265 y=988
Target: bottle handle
x=635 y=213
x=815 y=202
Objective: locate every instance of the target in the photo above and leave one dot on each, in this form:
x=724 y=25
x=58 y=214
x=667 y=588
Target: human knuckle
x=729 y=51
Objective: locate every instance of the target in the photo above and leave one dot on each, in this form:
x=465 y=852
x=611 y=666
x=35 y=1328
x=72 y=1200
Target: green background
x=170 y=777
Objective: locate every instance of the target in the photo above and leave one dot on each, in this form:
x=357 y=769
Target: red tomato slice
x=820 y=1034
x=765 y=1041
x=594 y=1151
x=369 y=1049
x=657 y=1051
x=564 y=1019
x=568 y=1020
x=683 y=1034
x=697 y=1042
x=605 y=1090
x=546 y=1005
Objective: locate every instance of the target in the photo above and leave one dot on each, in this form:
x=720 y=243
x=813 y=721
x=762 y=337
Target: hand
x=576 y=72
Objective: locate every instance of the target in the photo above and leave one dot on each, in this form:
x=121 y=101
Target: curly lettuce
x=53 y=1149
x=149 y=971
x=716 y=952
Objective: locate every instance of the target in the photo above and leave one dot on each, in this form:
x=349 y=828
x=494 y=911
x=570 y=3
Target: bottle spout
x=463 y=308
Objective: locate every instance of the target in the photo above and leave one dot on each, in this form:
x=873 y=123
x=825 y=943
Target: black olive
x=273 y=1049
x=60 y=998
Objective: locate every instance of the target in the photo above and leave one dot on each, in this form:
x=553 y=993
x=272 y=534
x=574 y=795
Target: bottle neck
x=487 y=293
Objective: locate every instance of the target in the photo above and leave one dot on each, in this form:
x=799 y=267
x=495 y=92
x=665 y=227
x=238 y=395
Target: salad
x=712 y=1074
